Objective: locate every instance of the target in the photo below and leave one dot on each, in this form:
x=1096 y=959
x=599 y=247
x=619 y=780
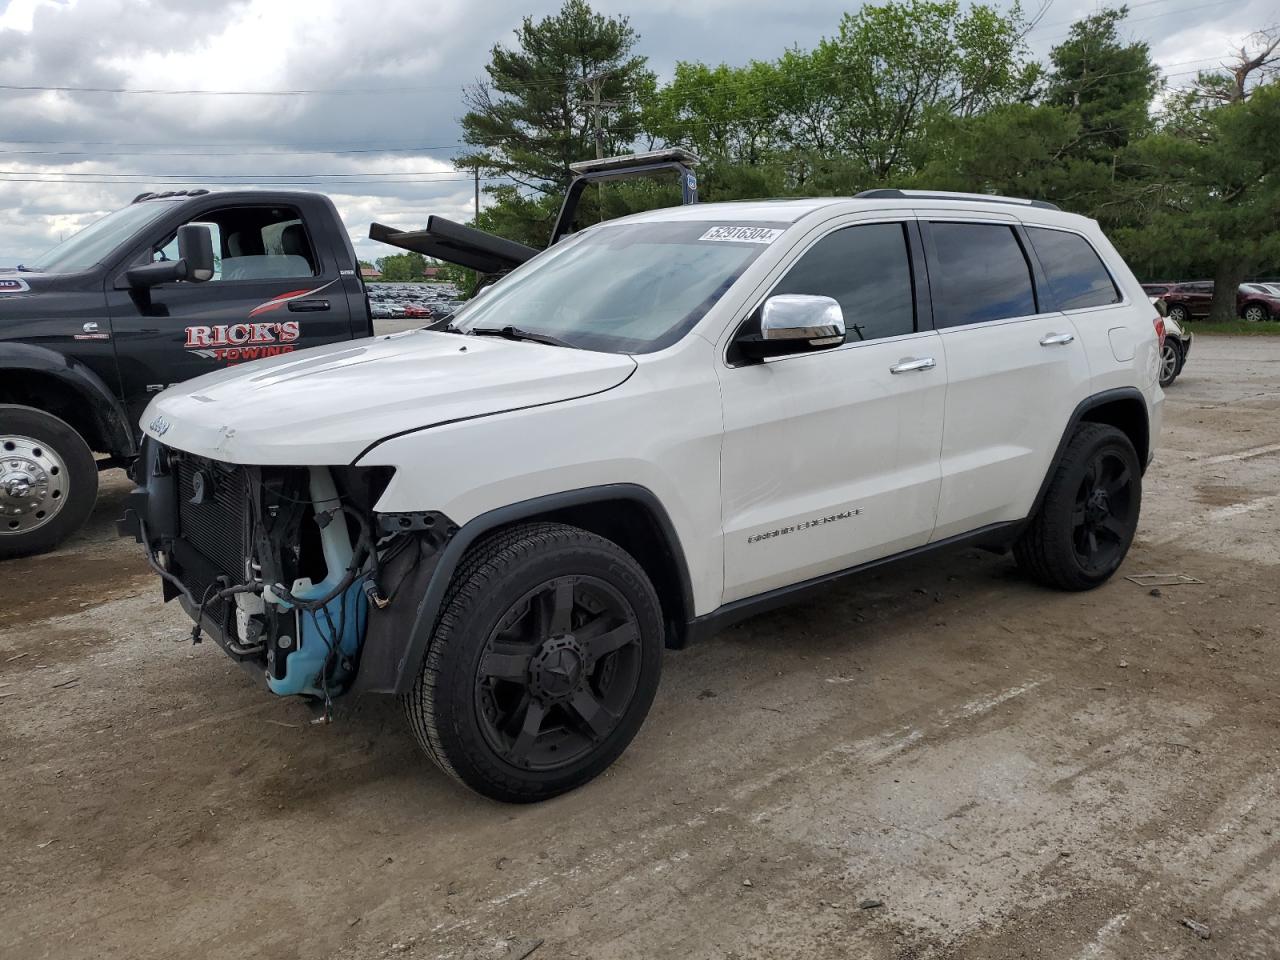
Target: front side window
x=1075 y=273
x=867 y=269
x=253 y=243
x=980 y=274
x=622 y=288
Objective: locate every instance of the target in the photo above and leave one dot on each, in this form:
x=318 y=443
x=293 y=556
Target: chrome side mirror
x=795 y=323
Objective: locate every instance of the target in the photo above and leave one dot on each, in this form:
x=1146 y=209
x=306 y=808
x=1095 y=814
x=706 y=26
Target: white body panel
x=472 y=424
x=326 y=405
x=1008 y=401
x=829 y=460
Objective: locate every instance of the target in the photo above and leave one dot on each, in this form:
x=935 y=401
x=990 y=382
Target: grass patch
x=1239 y=328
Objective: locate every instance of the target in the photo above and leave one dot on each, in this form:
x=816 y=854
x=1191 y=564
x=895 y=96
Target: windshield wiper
x=515 y=333
x=23 y=268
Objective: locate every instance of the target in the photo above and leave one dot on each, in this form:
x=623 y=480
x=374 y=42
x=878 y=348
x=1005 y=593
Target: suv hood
x=326 y=405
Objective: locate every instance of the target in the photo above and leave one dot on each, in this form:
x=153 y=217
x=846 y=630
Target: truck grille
x=212 y=500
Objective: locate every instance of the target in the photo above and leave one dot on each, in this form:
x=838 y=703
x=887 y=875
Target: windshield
x=95 y=242
x=622 y=288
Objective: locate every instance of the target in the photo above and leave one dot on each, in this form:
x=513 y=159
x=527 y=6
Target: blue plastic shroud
x=303 y=666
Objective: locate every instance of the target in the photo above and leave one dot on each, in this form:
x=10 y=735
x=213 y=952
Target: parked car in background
x=1254 y=301
x=1187 y=300
x=1174 y=351
x=1259 y=301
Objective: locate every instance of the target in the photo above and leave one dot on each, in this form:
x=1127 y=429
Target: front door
x=275 y=290
x=830 y=459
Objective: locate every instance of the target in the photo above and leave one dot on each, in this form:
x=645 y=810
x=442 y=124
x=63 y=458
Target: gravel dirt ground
x=936 y=760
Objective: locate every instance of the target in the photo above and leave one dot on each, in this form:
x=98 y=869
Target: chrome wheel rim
x=1254 y=315
x=33 y=484
x=1168 y=362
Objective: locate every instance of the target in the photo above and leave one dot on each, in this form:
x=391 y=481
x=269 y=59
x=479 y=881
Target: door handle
x=908 y=364
x=1057 y=339
x=308 y=306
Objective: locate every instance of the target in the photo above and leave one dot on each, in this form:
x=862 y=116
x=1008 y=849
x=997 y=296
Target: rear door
x=830 y=459
x=1016 y=370
x=277 y=288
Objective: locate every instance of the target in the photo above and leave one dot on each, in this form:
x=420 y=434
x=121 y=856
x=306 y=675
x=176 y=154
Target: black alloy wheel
x=1104 y=515
x=558 y=671
x=1087 y=519
x=542 y=665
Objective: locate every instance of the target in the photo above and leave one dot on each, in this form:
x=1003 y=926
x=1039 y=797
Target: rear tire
x=1085 y=525
x=48 y=481
x=543 y=664
x=1179 y=314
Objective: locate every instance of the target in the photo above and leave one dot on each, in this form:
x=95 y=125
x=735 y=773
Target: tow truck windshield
x=93 y=244
x=621 y=288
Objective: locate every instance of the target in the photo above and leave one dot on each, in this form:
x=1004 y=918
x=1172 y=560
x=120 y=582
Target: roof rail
x=892 y=193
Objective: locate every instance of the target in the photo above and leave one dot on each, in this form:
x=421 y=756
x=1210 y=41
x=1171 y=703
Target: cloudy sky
x=370 y=116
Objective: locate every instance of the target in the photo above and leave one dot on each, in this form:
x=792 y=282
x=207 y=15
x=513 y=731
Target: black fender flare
x=450 y=557
x=1128 y=395
x=105 y=407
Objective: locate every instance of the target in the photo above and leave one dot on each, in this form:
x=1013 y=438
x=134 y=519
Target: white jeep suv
x=660 y=425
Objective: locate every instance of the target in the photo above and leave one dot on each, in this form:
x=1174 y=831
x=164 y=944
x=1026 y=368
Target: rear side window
x=867 y=268
x=978 y=274
x=1075 y=272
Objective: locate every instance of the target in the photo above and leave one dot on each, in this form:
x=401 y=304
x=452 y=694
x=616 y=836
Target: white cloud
x=413 y=56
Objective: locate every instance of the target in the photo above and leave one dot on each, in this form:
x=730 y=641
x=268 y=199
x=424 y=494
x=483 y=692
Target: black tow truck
x=182 y=283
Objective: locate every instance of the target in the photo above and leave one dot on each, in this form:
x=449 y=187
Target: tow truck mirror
x=194 y=263
x=195 y=249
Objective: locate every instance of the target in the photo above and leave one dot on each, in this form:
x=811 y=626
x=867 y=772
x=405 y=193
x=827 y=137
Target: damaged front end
x=289 y=569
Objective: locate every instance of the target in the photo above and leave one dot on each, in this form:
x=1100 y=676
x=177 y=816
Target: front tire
x=1085 y=525
x=1255 y=313
x=543 y=664
x=1179 y=314
x=48 y=481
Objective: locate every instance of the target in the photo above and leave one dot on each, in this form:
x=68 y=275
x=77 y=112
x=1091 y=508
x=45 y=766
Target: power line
x=250 y=176
x=205 y=153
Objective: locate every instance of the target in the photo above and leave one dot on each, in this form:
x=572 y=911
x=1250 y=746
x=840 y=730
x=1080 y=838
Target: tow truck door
x=279 y=285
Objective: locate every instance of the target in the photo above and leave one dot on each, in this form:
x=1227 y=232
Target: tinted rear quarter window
x=1076 y=275
x=978 y=273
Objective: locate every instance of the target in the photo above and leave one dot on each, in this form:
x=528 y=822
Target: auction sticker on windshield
x=742 y=234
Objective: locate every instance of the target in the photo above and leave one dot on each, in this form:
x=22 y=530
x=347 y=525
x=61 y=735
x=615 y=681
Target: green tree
x=402 y=267
x=1215 y=171
x=1071 y=146
x=537 y=114
x=1107 y=83
x=898 y=65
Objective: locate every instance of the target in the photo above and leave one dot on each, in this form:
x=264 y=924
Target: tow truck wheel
x=48 y=481
x=543 y=664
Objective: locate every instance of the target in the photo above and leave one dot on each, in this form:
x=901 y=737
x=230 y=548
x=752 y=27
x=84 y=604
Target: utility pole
x=595 y=82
